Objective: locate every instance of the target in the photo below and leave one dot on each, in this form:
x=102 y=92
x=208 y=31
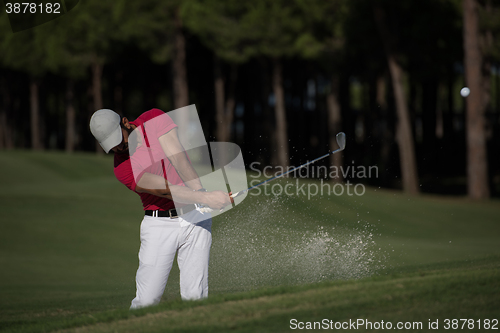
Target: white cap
x=105 y=126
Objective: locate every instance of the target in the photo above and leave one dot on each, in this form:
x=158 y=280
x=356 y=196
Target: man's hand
x=216 y=199
x=159 y=186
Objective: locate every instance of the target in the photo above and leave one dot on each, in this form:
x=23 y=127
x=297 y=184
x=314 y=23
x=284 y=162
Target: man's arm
x=172 y=147
x=157 y=185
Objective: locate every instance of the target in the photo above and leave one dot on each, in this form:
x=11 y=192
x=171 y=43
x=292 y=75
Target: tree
x=24 y=51
x=322 y=39
x=334 y=121
x=6 y=130
x=477 y=167
x=278 y=26
x=64 y=61
x=225 y=28
x=237 y=30
x=364 y=59
x=404 y=131
x=158 y=28
x=181 y=90
x=489 y=27
x=82 y=40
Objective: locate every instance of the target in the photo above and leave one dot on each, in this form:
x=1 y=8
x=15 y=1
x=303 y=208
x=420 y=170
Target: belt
x=172 y=213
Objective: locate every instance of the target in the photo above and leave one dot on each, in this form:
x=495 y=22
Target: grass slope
x=462 y=290
x=69 y=236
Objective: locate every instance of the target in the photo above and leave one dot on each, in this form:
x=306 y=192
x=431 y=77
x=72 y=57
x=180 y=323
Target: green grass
x=69 y=237
x=462 y=290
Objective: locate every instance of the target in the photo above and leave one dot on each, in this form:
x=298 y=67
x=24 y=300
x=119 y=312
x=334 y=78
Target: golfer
x=160 y=172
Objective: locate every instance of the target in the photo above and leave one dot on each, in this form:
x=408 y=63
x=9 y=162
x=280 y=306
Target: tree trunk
x=70 y=117
x=477 y=168
x=231 y=100
x=381 y=92
x=224 y=108
x=97 y=85
x=334 y=124
x=488 y=41
x=3 y=121
x=118 y=92
x=404 y=134
x=279 y=109
x=387 y=132
x=4 y=106
x=269 y=133
x=219 y=100
x=7 y=122
x=181 y=93
x=429 y=121
x=36 y=140
x=448 y=129
x=97 y=93
x=439 y=131
x=497 y=93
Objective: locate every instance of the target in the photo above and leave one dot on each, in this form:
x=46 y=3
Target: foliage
x=24 y=51
x=489 y=12
x=148 y=24
x=225 y=27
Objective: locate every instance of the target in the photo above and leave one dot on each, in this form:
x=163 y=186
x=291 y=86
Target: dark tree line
x=280 y=78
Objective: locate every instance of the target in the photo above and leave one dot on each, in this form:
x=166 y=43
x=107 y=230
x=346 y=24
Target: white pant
x=161 y=238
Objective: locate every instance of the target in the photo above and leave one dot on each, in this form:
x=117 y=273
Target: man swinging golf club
x=167 y=227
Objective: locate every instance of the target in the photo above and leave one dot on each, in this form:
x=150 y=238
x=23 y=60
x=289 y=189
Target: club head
x=341 y=140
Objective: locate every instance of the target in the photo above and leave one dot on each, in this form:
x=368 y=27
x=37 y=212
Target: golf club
x=341 y=143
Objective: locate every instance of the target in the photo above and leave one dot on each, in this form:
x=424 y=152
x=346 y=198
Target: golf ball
x=465 y=92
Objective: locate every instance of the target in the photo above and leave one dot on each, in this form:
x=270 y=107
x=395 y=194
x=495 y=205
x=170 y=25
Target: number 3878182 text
x=32 y=8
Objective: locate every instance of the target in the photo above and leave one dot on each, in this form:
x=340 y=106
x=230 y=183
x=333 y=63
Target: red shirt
x=148 y=158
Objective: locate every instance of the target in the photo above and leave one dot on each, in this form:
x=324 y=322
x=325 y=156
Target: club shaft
x=285 y=173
